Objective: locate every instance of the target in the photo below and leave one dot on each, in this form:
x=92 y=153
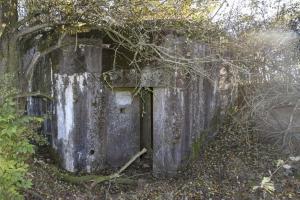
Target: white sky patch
x=22 y=10
x=265 y=10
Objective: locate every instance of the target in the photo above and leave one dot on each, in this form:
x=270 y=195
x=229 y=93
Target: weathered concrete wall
x=123 y=126
x=80 y=114
x=80 y=102
x=70 y=133
x=94 y=127
x=79 y=59
x=183 y=110
x=41 y=83
x=168 y=131
x=178 y=121
x=212 y=102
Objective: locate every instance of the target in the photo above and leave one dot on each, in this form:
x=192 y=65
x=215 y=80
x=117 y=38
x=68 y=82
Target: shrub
x=16 y=133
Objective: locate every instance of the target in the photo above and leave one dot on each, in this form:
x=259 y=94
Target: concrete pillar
x=178 y=122
x=79 y=133
x=79 y=136
x=169 y=128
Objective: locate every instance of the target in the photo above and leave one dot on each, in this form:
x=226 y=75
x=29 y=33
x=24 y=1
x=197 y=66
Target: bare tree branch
x=38 y=55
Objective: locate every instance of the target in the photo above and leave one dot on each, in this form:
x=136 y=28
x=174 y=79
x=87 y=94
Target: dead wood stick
x=144 y=150
x=118 y=174
x=95 y=179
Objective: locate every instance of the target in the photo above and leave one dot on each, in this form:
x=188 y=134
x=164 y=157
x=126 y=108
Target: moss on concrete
x=200 y=142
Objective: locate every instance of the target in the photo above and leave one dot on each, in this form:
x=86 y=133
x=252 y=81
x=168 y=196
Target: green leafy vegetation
x=16 y=133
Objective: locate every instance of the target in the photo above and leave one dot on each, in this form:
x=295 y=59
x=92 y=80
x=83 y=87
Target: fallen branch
x=118 y=174
x=95 y=179
x=144 y=150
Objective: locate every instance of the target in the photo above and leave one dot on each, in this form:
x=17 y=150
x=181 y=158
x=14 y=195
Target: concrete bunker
x=103 y=112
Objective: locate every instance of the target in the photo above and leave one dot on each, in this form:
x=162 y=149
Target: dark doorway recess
x=146 y=96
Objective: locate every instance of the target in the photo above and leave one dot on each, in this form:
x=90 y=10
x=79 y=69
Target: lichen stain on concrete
x=65 y=113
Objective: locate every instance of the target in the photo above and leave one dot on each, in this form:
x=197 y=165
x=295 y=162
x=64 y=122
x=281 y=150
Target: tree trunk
x=9 y=59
